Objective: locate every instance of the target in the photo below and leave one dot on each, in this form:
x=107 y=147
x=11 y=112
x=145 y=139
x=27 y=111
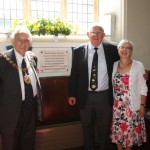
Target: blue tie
x=27 y=83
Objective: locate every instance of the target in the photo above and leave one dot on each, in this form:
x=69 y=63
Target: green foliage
x=47 y=26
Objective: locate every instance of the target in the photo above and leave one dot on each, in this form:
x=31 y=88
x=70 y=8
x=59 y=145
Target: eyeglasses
x=126 y=48
x=22 y=40
x=96 y=33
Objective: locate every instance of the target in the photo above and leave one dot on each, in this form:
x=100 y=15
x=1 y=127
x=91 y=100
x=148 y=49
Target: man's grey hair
x=95 y=25
x=21 y=29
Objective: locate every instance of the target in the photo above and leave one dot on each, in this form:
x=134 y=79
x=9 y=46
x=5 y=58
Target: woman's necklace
x=124 y=64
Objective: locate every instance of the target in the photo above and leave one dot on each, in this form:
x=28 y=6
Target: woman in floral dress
x=130 y=91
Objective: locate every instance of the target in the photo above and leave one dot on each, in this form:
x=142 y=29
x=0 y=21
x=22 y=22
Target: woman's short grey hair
x=125 y=41
x=21 y=29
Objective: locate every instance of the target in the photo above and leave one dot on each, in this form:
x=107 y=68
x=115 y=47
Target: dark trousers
x=97 y=110
x=23 y=138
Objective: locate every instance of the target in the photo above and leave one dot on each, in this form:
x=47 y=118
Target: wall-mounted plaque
x=54 y=61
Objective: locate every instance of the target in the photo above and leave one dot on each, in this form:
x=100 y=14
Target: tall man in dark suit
x=95 y=103
x=20 y=95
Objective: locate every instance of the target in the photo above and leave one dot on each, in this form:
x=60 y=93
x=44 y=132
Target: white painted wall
x=138 y=29
x=116 y=8
x=133 y=23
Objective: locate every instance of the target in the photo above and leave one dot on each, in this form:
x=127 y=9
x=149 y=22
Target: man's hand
x=72 y=101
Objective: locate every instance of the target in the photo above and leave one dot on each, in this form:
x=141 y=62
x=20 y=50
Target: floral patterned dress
x=127 y=128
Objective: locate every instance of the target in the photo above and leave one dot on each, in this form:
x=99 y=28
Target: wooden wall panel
x=56 y=108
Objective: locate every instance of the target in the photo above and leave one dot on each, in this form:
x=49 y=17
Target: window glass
x=45 y=8
x=9 y=10
x=80 y=12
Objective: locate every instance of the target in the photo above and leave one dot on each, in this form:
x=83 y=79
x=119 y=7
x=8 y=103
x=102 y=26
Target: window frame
x=63 y=11
x=27 y=13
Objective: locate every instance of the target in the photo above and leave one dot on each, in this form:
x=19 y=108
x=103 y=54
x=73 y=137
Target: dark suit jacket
x=79 y=79
x=10 y=93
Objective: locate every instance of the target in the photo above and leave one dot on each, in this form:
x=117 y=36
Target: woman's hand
x=142 y=111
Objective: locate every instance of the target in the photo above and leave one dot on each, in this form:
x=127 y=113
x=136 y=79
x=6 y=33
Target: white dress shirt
x=19 y=59
x=102 y=67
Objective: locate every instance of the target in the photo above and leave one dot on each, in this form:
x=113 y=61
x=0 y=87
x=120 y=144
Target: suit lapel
x=107 y=57
x=86 y=52
x=33 y=68
x=11 y=54
x=39 y=95
x=86 y=49
x=15 y=72
x=37 y=78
